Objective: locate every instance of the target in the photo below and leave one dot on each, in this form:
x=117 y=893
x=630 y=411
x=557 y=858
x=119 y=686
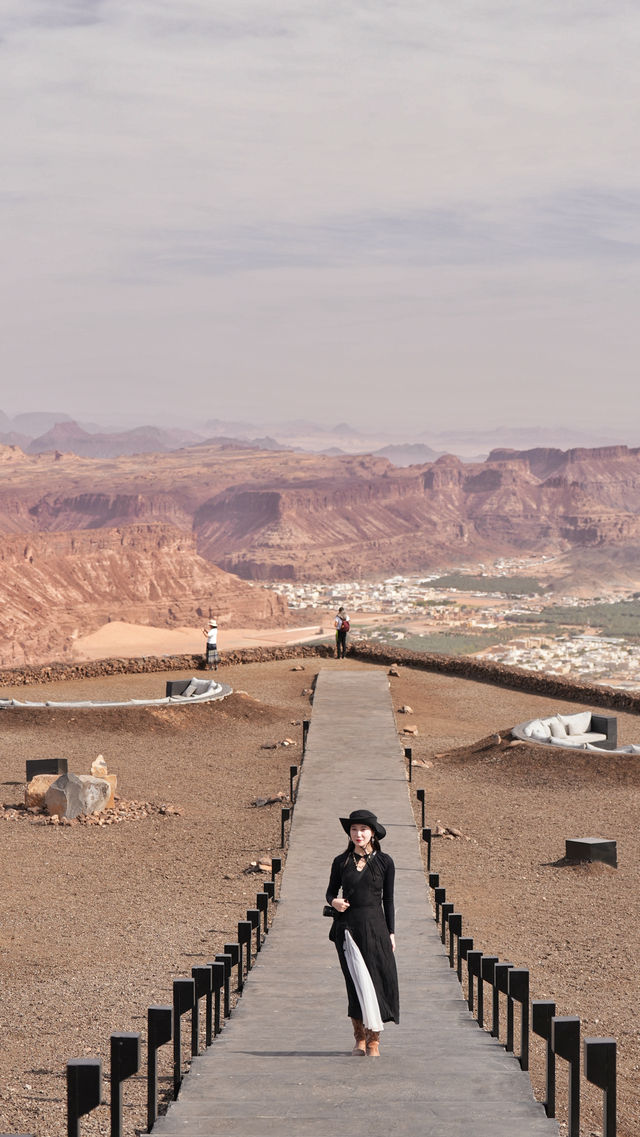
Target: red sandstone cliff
x=277 y=514
x=54 y=586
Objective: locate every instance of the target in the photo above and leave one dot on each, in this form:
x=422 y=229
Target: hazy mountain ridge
x=39 y=431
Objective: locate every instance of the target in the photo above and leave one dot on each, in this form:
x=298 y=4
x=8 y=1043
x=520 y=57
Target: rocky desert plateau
x=128 y=555
x=165 y=539
x=99 y=919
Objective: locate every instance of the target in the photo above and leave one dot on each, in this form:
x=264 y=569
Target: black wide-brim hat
x=363 y=817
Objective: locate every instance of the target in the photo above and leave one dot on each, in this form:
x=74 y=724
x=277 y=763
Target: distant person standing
x=212 y=657
x=342 y=627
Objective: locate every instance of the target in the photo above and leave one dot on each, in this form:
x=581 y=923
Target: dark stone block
x=606 y=724
x=37 y=766
x=176 y=687
x=591 y=849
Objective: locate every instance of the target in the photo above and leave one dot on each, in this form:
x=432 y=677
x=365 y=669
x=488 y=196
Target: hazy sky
x=408 y=213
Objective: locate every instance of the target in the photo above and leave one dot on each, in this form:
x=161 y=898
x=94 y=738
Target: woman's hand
x=393 y=940
x=339 y=904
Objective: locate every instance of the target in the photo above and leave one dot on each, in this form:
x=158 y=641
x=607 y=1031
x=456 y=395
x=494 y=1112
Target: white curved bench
x=583 y=730
x=192 y=691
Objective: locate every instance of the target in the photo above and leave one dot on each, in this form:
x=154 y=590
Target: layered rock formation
x=137 y=537
x=54 y=586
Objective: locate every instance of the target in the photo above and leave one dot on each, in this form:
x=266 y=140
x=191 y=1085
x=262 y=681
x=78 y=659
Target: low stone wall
x=55 y=672
x=463 y=666
x=516 y=679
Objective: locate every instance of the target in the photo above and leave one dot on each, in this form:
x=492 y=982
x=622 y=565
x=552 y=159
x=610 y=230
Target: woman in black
x=363 y=929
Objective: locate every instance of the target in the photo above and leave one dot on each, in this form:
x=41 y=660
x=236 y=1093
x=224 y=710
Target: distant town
x=479 y=610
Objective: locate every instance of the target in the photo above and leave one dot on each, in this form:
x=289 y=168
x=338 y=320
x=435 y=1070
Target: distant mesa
x=125 y=538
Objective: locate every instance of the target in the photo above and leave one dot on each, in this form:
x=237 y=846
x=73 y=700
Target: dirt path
x=98 y=921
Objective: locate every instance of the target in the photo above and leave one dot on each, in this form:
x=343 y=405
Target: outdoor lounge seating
x=584 y=730
x=192 y=688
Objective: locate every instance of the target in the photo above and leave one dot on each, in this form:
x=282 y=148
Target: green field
x=509 y=585
x=453 y=643
x=620 y=619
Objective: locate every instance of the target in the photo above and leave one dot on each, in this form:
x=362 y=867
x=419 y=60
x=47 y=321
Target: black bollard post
x=426 y=836
x=276 y=866
x=253 y=916
x=285 y=814
x=225 y=959
x=434 y=879
x=293 y=770
x=455 y=931
x=542 y=1012
x=486 y=975
x=439 y=897
x=408 y=755
x=84 y=1090
x=306 y=723
x=262 y=904
x=183 y=1000
x=125 y=1062
x=159 y=1032
x=217 y=972
x=501 y=981
x=236 y=960
x=445 y=912
x=518 y=990
x=420 y=797
x=244 y=939
x=474 y=969
x=203 y=985
x=465 y=945
x=269 y=888
x=600 y=1070
x=565 y=1042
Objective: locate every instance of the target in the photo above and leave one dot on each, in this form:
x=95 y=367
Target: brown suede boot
x=373 y=1040
x=360 y=1037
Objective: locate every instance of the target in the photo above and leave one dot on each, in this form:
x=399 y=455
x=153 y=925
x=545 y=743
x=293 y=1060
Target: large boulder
x=36 y=789
x=73 y=794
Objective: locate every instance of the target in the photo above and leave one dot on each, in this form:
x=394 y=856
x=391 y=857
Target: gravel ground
x=97 y=921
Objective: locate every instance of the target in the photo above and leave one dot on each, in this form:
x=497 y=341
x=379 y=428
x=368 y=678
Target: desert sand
x=119 y=639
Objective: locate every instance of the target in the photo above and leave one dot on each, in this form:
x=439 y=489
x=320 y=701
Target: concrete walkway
x=282 y=1064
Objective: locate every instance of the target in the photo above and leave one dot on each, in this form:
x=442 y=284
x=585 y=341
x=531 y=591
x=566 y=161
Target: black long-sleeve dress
x=370 y=920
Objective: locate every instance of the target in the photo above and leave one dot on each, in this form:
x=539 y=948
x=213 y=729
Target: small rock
x=307 y=691
x=410 y=730
x=269 y=746
x=72 y=794
x=393 y=671
x=298 y=667
x=406 y=710
x=99 y=767
x=426 y=765
x=36 y=789
x=287 y=742
x=273 y=800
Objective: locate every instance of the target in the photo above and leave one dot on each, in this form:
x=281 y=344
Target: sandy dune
x=118 y=639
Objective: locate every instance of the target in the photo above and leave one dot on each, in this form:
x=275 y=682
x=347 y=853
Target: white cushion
x=579 y=739
x=537 y=729
x=557 y=727
x=577 y=724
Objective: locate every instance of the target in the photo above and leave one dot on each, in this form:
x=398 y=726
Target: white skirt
x=363 y=984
